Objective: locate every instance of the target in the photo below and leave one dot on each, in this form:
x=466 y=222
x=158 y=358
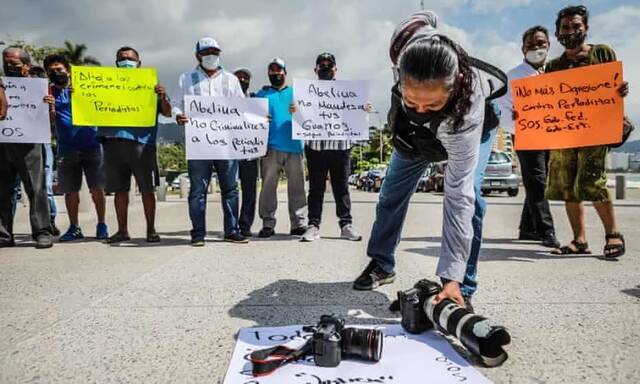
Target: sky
x=252 y=32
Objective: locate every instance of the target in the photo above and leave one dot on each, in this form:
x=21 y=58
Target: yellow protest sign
x=114 y=97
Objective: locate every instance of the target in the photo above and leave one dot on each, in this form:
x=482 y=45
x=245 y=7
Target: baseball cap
x=206 y=43
x=326 y=56
x=278 y=61
x=242 y=69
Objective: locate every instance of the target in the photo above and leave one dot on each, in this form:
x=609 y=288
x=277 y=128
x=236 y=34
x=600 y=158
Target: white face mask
x=536 y=57
x=210 y=62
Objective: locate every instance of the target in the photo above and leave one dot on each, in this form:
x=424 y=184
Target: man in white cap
x=209 y=79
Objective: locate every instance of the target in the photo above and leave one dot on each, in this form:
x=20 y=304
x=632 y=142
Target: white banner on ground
x=222 y=128
x=27 y=114
x=330 y=110
x=406 y=359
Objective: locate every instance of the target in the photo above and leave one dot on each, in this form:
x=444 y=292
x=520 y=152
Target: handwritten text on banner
x=27 y=118
x=569 y=109
x=114 y=97
x=330 y=110
x=226 y=127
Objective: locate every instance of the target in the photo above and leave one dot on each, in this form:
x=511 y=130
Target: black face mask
x=59 y=78
x=12 y=71
x=244 y=85
x=276 y=80
x=572 y=40
x=325 y=73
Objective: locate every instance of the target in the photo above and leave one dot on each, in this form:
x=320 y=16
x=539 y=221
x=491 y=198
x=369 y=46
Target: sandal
x=612 y=251
x=118 y=237
x=580 y=249
x=153 y=237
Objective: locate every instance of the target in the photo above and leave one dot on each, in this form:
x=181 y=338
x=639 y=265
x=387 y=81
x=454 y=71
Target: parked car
x=422 y=183
x=175 y=184
x=362 y=176
x=434 y=180
x=500 y=175
x=374 y=179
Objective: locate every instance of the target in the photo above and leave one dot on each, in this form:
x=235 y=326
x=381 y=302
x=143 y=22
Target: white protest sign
x=228 y=128
x=27 y=114
x=406 y=358
x=330 y=110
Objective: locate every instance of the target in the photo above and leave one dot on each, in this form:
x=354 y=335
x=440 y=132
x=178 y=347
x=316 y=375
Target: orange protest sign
x=569 y=109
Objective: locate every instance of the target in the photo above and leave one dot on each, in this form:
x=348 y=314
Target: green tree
x=37 y=53
x=75 y=53
x=171 y=157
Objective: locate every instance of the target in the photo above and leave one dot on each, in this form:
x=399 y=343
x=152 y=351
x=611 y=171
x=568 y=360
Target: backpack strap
x=495 y=72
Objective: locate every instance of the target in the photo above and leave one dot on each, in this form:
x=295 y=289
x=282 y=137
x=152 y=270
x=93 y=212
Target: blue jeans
x=199 y=176
x=399 y=184
x=470 y=283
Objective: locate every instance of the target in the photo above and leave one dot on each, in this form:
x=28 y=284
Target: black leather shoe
x=529 y=236
x=550 y=240
x=266 y=232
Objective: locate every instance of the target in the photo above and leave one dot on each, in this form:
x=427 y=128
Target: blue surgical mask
x=127 y=64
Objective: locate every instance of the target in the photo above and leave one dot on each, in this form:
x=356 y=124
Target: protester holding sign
x=209 y=79
x=247 y=169
x=329 y=158
x=3 y=102
x=440 y=97
x=79 y=152
x=283 y=153
x=536 y=222
x=24 y=160
x=132 y=151
x=579 y=174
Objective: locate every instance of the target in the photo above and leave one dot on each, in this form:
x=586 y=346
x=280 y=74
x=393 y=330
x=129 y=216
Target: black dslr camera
x=474 y=332
x=331 y=340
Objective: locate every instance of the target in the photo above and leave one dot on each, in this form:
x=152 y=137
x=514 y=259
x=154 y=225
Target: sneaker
x=73 y=233
x=549 y=240
x=298 y=231
x=236 y=237
x=349 y=233
x=44 y=241
x=266 y=232
x=197 y=242
x=102 y=233
x=54 y=230
x=312 y=233
x=246 y=233
x=372 y=277
x=7 y=243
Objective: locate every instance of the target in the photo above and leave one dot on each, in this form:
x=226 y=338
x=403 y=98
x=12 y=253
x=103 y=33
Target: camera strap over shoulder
x=265 y=361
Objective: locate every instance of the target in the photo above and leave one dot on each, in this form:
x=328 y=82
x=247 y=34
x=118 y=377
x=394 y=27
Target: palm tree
x=75 y=53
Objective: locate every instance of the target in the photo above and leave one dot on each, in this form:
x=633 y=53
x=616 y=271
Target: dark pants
x=26 y=161
x=336 y=164
x=248 y=170
x=536 y=216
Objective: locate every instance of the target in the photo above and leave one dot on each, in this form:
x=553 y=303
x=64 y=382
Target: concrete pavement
x=141 y=313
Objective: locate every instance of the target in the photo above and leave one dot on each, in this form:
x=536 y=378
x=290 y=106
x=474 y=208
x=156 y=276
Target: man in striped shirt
x=329 y=158
x=209 y=79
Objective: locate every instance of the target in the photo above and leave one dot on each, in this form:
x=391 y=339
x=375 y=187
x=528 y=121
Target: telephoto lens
x=474 y=332
x=363 y=343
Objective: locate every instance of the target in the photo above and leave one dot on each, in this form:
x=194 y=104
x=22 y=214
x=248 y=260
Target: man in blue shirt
x=283 y=153
x=78 y=152
x=132 y=150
